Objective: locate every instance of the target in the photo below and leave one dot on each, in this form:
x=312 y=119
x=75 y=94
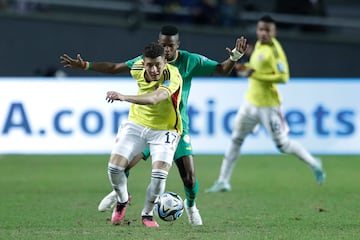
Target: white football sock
x=154 y=189
x=118 y=181
x=229 y=162
x=298 y=150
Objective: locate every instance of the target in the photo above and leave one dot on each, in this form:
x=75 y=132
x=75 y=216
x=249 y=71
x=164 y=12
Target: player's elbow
x=284 y=78
x=118 y=68
x=155 y=99
x=152 y=101
x=222 y=70
x=159 y=96
x=115 y=70
x=110 y=70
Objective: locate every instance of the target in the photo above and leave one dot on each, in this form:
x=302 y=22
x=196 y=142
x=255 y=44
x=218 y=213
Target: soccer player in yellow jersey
x=267 y=67
x=154 y=121
x=190 y=65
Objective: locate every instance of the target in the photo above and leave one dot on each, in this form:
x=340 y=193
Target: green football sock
x=191 y=193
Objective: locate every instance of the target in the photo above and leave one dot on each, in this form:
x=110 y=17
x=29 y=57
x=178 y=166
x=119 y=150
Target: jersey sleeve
x=279 y=68
x=203 y=66
x=274 y=77
x=131 y=62
x=173 y=83
x=137 y=68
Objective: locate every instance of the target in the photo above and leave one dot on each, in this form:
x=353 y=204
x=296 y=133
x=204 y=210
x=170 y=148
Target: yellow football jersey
x=271 y=67
x=166 y=114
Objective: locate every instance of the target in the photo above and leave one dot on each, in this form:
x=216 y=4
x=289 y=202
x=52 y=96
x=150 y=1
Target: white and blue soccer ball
x=169 y=206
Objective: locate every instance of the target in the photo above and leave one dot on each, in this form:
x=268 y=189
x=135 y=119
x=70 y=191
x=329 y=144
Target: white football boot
x=108 y=202
x=193 y=214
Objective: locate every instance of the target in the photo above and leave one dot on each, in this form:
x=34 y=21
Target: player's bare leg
x=186 y=169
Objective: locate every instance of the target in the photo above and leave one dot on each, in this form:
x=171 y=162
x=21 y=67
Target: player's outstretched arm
x=151 y=98
x=226 y=66
x=103 y=67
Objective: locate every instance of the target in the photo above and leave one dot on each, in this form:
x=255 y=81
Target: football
x=169 y=206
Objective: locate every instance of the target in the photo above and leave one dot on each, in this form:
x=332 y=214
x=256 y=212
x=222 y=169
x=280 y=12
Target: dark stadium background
x=322 y=42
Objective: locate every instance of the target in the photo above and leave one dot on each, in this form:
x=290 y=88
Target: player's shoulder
x=277 y=48
x=138 y=64
x=184 y=54
x=171 y=68
x=191 y=56
x=137 y=69
x=276 y=43
x=275 y=40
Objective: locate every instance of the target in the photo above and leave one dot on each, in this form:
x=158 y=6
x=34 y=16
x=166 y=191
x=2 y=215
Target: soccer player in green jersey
x=190 y=65
x=267 y=67
x=154 y=122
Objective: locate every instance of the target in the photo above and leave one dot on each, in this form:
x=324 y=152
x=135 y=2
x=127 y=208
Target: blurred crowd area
x=227 y=13
x=101 y=28
x=306 y=15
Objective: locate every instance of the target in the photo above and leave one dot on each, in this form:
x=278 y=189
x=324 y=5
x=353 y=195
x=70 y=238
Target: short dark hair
x=169 y=30
x=153 y=50
x=267 y=19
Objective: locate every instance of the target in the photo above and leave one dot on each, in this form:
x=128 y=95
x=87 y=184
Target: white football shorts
x=249 y=117
x=133 y=138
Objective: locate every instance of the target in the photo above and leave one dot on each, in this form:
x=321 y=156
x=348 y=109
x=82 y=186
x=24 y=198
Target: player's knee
x=283 y=145
x=237 y=138
x=114 y=169
x=280 y=148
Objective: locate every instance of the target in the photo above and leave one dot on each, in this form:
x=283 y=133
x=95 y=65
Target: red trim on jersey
x=174 y=99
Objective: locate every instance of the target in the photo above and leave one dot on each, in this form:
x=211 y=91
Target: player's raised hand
x=111 y=96
x=241 y=44
x=239 y=50
x=69 y=62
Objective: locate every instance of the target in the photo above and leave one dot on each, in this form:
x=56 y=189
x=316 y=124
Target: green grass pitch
x=273 y=197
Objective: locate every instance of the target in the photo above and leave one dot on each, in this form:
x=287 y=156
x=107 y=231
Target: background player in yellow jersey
x=267 y=67
x=154 y=121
